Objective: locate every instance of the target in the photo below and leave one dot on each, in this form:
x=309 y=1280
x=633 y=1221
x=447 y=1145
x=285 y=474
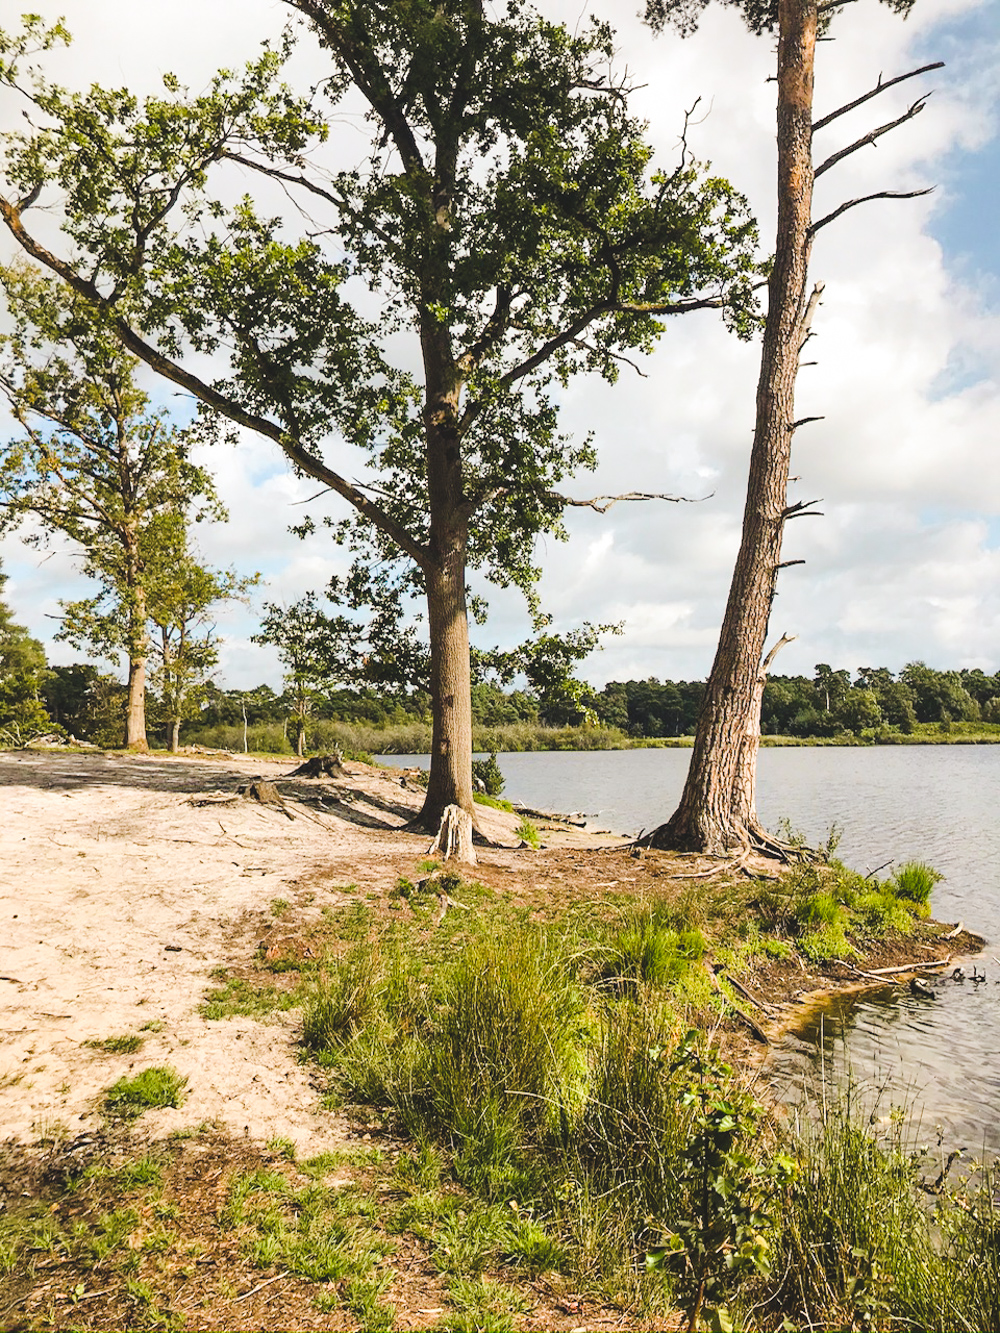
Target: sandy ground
x=120 y=892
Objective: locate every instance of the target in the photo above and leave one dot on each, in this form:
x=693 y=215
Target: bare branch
x=803 y=509
x=865 y=199
x=804 y=421
x=874 y=92
x=602 y=503
x=913 y=110
x=787 y=564
x=766 y=664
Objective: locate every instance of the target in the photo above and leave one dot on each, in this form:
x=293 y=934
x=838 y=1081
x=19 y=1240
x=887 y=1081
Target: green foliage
x=22 y=679
x=528 y=832
x=647 y=949
x=156 y=1086
x=914 y=882
x=734 y=1194
x=487 y=776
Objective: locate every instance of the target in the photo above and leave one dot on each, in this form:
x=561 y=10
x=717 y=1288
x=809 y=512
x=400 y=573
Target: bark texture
x=717 y=811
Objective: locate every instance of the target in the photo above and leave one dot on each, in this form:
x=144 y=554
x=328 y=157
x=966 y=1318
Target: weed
x=240 y=997
x=494 y=802
x=156 y=1086
x=124 y=1045
x=528 y=833
x=282 y=1147
x=279 y=906
x=482 y=1306
x=913 y=882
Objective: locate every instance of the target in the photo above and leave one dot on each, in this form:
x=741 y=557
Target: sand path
x=119 y=895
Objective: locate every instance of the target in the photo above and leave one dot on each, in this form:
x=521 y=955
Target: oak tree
x=413 y=315
x=91 y=460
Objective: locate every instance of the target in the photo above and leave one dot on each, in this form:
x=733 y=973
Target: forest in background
x=874 y=704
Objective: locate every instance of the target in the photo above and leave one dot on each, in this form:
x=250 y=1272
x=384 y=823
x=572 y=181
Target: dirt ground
x=125 y=880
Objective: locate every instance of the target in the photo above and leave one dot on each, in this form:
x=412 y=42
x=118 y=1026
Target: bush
x=487 y=772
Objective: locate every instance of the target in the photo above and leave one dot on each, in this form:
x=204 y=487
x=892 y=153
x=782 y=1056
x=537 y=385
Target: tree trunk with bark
x=717 y=812
x=135 y=713
x=173 y=734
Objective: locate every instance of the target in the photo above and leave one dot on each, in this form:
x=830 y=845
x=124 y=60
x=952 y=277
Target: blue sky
x=906 y=563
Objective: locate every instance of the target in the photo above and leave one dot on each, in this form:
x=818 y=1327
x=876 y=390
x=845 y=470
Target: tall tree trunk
x=173 y=734
x=450 y=779
x=717 y=811
x=135 y=712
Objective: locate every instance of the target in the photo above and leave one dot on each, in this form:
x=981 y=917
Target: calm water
x=928 y=803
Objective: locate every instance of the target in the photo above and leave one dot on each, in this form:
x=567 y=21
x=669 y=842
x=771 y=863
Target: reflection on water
x=894 y=803
x=936 y=1058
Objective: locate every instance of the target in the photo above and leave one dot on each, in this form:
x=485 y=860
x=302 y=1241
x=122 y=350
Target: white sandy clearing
x=104 y=863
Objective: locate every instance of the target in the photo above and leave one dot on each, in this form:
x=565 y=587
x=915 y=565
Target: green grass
x=127 y=1044
x=153 y=1087
x=528 y=832
x=494 y=802
x=535 y=1065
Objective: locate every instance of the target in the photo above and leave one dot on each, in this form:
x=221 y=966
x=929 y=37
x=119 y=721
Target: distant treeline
x=874 y=703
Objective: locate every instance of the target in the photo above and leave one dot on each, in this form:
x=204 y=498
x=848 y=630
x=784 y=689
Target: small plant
x=124 y=1045
x=487 y=773
x=913 y=882
x=279 y=906
x=732 y=1194
x=528 y=833
x=155 y=1086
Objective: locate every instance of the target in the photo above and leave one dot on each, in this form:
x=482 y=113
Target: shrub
x=487 y=771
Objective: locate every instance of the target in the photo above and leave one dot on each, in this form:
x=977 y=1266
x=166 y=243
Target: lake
x=892 y=803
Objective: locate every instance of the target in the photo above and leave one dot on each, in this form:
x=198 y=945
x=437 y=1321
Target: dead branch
x=804 y=421
x=880 y=87
x=953 y=933
x=602 y=503
x=765 y=666
x=764 y=1008
x=801 y=509
x=913 y=110
x=787 y=564
x=745 y=1018
x=866 y=199
x=881 y=973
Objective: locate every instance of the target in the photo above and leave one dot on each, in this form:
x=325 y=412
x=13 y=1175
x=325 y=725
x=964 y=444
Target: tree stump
x=264 y=793
x=454 y=837
x=320 y=766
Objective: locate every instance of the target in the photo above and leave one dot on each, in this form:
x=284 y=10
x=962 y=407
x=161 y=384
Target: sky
x=905 y=562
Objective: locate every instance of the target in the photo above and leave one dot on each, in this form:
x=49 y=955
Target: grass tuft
x=156 y=1086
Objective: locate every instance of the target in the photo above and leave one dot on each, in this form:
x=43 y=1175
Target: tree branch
x=865 y=199
x=208 y=394
x=766 y=664
x=870 y=138
x=874 y=92
x=602 y=503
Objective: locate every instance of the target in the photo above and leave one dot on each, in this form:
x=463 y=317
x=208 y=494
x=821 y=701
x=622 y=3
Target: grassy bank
x=415 y=738
x=552 y=1135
